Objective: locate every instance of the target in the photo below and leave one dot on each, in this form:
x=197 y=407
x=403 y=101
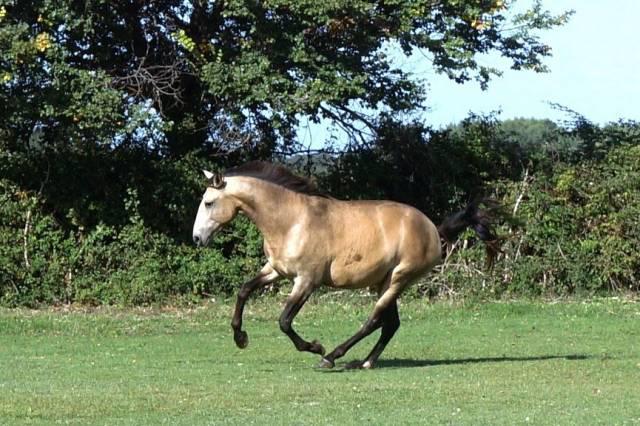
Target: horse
x=316 y=240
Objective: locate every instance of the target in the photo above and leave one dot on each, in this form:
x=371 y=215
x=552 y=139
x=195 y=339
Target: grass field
x=500 y=363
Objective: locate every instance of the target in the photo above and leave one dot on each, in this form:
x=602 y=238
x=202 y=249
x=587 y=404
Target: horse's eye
x=208 y=204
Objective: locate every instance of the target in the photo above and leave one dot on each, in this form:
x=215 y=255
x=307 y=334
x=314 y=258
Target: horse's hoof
x=325 y=363
x=241 y=338
x=317 y=348
x=359 y=365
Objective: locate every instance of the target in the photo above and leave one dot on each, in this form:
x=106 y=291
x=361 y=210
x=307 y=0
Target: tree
x=184 y=75
x=95 y=95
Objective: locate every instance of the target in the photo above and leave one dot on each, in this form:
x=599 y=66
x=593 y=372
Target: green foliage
x=108 y=110
x=434 y=170
x=27 y=277
x=575 y=230
x=131 y=265
x=222 y=71
x=579 y=234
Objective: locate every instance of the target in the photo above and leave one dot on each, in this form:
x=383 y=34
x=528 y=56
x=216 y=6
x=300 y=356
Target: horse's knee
x=372 y=323
x=285 y=325
x=244 y=293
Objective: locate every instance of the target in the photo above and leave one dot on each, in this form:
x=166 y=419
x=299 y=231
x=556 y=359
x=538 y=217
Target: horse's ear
x=217 y=181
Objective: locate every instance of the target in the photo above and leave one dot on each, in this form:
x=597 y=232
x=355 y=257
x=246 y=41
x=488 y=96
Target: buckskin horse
x=315 y=240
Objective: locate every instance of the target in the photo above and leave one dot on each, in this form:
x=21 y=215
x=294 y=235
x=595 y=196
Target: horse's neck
x=271 y=208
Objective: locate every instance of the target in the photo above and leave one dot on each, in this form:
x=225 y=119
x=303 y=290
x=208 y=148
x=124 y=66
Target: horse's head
x=216 y=209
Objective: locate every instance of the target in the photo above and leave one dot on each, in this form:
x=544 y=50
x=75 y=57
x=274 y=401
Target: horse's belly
x=357 y=272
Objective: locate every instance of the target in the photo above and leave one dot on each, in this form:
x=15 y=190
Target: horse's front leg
x=266 y=276
x=301 y=291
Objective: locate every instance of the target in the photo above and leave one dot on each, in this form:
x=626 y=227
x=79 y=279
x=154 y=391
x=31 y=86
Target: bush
x=131 y=265
x=580 y=234
x=79 y=240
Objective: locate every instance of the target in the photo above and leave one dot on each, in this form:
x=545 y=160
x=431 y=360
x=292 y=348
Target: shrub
x=580 y=234
x=131 y=265
x=579 y=231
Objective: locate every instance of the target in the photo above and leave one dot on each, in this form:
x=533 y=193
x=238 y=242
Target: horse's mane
x=276 y=174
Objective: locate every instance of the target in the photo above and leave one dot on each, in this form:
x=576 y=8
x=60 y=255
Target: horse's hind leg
x=390 y=324
x=266 y=276
x=385 y=311
x=385 y=315
x=301 y=291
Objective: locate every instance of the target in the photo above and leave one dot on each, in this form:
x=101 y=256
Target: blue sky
x=594 y=70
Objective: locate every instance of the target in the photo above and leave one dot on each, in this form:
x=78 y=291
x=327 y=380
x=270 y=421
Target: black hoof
x=241 y=339
x=325 y=363
x=316 y=348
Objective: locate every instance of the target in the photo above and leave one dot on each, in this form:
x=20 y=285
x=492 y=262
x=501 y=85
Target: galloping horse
x=317 y=240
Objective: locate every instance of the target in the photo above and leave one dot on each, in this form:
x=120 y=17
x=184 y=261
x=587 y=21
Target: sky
x=594 y=70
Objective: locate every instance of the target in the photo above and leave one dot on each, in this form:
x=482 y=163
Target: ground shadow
x=406 y=363
x=410 y=363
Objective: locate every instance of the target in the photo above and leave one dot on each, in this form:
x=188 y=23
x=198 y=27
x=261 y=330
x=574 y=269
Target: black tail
x=481 y=222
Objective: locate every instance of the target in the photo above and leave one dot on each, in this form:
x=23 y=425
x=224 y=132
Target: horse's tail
x=481 y=222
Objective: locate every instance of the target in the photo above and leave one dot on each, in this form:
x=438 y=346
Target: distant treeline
x=110 y=224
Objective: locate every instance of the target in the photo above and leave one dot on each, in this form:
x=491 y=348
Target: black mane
x=276 y=174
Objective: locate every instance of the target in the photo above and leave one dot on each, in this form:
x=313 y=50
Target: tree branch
x=359 y=116
x=523 y=186
x=345 y=125
x=27 y=222
x=25 y=239
x=156 y=81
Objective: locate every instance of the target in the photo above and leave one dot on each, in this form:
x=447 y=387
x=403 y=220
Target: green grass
x=501 y=363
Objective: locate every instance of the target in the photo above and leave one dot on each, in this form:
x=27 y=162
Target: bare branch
x=348 y=127
x=25 y=239
x=27 y=223
x=523 y=186
x=309 y=151
x=156 y=81
x=358 y=116
x=229 y=138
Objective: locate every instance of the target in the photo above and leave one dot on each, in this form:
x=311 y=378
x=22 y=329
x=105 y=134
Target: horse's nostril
x=196 y=239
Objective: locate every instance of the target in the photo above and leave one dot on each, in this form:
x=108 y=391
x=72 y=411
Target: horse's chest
x=292 y=256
